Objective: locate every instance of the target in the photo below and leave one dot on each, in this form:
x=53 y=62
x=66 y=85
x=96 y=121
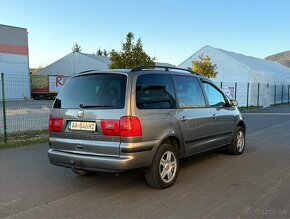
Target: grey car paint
x=195 y=130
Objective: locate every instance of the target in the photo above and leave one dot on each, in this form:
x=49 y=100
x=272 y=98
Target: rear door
x=193 y=114
x=83 y=103
x=222 y=114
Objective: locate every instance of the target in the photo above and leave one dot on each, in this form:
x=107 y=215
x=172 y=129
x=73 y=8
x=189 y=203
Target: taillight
x=110 y=127
x=127 y=126
x=130 y=126
x=55 y=124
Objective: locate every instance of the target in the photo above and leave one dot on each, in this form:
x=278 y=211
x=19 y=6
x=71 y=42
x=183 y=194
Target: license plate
x=82 y=126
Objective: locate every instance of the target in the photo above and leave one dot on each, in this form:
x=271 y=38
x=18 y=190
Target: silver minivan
x=148 y=117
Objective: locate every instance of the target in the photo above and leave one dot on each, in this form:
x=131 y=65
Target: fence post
x=236 y=90
x=275 y=95
x=258 y=94
x=248 y=87
x=282 y=94
x=4 y=109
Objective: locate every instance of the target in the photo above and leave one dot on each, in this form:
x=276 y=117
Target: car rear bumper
x=130 y=160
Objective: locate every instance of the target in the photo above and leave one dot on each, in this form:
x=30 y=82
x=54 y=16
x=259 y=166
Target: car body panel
x=195 y=129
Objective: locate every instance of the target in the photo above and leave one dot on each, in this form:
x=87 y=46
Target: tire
x=238 y=142
x=164 y=169
x=80 y=172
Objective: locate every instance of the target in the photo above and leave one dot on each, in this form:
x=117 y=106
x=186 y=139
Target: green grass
x=20 y=139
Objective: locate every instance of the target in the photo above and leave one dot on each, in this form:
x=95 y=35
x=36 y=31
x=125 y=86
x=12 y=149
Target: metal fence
x=256 y=94
x=22 y=111
x=24 y=108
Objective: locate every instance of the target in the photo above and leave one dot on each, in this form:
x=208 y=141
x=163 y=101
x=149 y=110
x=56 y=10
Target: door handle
x=214 y=117
x=183 y=119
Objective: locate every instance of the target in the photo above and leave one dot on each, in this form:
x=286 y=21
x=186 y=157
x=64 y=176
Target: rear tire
x=238 y=142
x=164 y=169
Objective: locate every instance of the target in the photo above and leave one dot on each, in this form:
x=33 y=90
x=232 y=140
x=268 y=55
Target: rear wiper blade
x=94 y=105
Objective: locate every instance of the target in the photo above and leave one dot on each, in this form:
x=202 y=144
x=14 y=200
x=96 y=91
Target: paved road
x=216 y=184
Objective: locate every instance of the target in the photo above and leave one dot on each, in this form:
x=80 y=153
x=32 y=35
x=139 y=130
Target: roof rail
x=82 y=72
x=166 y=68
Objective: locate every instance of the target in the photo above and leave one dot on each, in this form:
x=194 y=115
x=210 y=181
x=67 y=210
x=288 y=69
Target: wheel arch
x=175 y=141
x=242 y=124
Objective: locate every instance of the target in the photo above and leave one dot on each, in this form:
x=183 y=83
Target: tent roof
x=261 y=66
x=103 y=59
x=74 y=63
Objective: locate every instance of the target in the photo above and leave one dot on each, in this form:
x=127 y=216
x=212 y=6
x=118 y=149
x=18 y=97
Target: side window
x=188 y=92
x=155 y=91
x=215 y=97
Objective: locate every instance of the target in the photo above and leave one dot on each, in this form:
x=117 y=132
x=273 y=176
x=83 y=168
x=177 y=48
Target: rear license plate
x=82 y=126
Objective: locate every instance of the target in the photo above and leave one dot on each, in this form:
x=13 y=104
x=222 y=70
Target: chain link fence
x=26 y=100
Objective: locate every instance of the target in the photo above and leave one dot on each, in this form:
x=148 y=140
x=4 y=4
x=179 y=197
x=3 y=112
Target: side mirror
x=233 y=103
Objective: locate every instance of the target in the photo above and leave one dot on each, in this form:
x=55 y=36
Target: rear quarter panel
x=157 y=124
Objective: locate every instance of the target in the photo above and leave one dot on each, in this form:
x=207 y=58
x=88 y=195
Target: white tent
x=234 y=67
x=75 y=63
x=252 y=81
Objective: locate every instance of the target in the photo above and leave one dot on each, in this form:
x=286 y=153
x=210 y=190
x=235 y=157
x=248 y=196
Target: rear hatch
x=87 y=110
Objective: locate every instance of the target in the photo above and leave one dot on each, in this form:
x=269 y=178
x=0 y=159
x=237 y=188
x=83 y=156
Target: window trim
x=218 y=89
x=201 y=88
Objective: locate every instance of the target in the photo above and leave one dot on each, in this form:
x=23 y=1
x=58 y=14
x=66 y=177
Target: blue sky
x=170 y=30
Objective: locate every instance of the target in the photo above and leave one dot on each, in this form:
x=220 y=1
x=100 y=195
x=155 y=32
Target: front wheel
x=237 y=145
x=164 y=169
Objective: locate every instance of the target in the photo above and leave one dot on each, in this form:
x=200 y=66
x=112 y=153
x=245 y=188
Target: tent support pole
x=236 y=91
x=258 y=95
x=275 y=94
x=282 y=94
x=248 y=87
x=288 y=93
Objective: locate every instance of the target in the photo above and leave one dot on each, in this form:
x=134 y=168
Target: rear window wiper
x=94 y=105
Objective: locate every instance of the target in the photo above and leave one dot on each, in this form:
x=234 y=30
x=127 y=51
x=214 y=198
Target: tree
x=76 y=48
x=102 y=52
x=34 y=70
x=204 y=67
x=105 y=53
x=131 y=56
x=99 y=52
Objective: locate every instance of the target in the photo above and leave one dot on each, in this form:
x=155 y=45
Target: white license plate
x=83 y=126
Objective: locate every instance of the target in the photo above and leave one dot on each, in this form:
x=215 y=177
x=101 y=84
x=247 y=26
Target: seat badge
x=81 y=113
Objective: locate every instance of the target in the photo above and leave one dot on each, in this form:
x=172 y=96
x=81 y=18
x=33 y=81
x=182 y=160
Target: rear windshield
x=93 y=91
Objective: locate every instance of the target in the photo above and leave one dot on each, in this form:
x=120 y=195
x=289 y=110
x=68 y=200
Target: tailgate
x=82 y=104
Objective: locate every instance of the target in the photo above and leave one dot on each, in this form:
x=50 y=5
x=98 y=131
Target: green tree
x=99 y=52
x=102 y=52
x=204 y=67
x=131 y=56
x=105 y=53
x=76 y=48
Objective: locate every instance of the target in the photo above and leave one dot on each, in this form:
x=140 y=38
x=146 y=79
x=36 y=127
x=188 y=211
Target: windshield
x=93 y=91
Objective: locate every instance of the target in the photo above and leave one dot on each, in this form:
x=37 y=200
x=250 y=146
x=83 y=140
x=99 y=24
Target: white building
x=235 y=71
x=75 y=63
x=14 y=62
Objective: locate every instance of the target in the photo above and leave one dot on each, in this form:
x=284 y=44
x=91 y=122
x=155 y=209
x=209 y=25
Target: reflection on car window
x=215 y=97
x=188 y=92
x=95 y=89
x=155 y=91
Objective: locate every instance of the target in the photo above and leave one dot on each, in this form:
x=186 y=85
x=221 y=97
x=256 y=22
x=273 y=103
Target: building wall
x=14 y=62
